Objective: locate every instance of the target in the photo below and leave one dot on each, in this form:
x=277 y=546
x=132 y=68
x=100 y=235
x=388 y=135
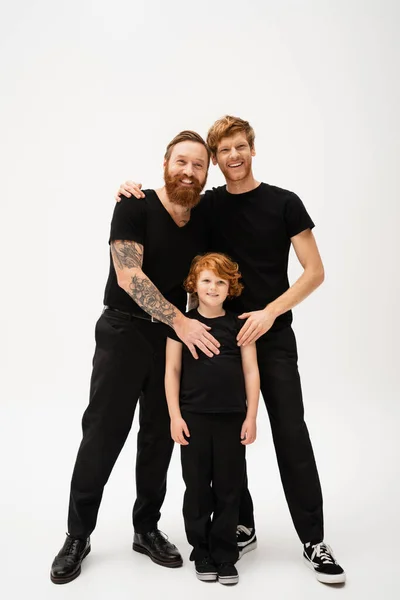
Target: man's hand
x=194 y=333
x=248 y=433
x=178 y=428
x=128 y=189
x=258 y=322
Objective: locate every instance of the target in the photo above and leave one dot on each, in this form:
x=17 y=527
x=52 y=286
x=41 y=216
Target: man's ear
x=253 y=151
x=165 y=163
x=214 y=160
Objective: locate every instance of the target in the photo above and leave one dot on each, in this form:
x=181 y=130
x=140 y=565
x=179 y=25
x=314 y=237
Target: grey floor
x=356 y=456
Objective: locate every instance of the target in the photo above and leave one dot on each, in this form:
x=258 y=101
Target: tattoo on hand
x=147 y=296
x=127 y=254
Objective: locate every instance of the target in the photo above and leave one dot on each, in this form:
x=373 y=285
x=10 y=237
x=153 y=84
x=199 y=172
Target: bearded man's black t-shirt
x=168 y=249
x=255 y=230
x=213 y=385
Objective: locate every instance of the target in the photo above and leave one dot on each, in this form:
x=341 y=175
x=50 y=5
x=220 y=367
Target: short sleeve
x=236 y=324
x=297 y=218
x=171 y=334
x=129 y=220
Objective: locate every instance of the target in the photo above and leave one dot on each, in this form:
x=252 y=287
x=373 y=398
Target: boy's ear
x=253 y=151
x=214 y=159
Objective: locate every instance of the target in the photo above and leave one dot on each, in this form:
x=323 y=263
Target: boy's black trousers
x=213 y=467
x=128 y=364
x=281 y=390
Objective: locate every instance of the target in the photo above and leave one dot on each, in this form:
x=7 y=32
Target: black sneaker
x=319 y=557
x=246 y=539
x=206 y=570
x=227 y=574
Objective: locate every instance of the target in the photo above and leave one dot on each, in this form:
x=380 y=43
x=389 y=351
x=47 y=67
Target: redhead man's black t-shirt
x=255 y=229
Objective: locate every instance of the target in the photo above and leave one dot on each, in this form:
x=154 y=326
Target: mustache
x=187 y=196
x=176 y=179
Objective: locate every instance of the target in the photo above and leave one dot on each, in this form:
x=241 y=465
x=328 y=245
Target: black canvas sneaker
x=206 y=570
x=227 y=574
x=246 y=539
x=319 y=557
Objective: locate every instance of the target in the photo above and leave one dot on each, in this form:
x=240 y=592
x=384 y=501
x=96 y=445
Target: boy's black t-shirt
x=168 y=249
x=254 y=229
x=213 y=385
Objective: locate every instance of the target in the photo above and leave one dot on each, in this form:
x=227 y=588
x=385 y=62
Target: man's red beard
x=180 y=194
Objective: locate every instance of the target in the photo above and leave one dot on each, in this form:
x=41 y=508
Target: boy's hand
x=178 y=428
x=249 y=431
x=128 y=189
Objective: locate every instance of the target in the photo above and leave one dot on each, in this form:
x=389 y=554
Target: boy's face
x=234 y=157
x=211 y=289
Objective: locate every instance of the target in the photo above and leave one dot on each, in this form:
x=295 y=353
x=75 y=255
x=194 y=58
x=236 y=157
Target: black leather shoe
x=67 y=564
x=158 y=548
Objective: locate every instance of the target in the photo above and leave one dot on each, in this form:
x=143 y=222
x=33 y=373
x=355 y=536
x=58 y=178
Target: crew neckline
x=210 y=318
x=242 y=195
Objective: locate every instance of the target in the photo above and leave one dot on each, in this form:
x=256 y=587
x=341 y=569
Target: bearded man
x=152 y=244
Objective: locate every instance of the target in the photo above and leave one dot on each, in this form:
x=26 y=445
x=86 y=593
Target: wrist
x=175 y=415
x=251 y=417
x=272 y=310
x=179 y=319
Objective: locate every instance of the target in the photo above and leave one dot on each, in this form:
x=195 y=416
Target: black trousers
x=281 y=389
x=128 y=364
x=213 y=467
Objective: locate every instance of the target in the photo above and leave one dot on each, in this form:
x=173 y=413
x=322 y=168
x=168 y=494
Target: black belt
x=130 y=316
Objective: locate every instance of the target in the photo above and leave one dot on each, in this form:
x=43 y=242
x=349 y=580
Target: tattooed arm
x=128 y=260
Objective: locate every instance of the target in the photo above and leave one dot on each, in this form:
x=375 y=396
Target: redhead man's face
x=234 y=157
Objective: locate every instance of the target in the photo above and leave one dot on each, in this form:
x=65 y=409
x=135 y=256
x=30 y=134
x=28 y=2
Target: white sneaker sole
x=324 y=577
x=207 y=576
x=246 y=549
x=232 y=580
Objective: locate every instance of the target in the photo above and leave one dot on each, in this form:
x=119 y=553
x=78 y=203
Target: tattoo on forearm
x=148 y=297
x=127 y=254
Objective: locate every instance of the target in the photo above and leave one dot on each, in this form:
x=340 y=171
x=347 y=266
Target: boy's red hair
x=221 y=265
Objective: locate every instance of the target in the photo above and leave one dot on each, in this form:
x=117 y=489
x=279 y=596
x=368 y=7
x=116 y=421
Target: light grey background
x=91 y=93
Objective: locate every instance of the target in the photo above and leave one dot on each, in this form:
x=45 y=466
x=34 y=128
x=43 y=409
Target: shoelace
x=160 y=536
x=206 y=561
x=324 y=552
x=70 y=549
x=226 y=565
x=242 y=529
x=71 y=546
